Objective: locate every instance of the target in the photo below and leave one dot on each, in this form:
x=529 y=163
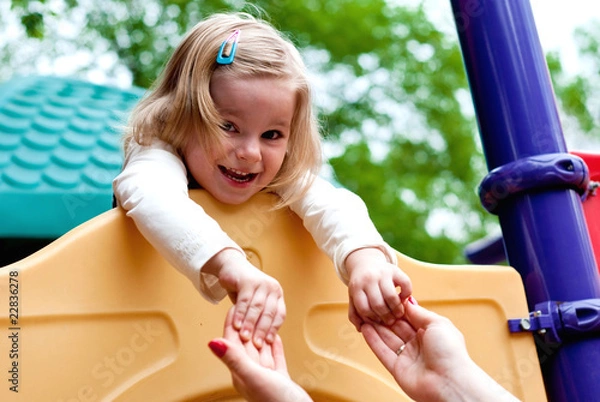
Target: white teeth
x=239 y=172
x=237 y=175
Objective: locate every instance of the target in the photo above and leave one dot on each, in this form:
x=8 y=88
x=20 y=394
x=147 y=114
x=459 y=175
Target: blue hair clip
x=221 y=58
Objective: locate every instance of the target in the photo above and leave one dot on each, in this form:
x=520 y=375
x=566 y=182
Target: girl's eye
x=272 y=135
x=227 y=127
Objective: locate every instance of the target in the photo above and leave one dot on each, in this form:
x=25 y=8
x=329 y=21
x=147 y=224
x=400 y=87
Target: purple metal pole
x=544 y=231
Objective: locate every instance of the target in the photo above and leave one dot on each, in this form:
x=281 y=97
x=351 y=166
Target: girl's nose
x=248 y=150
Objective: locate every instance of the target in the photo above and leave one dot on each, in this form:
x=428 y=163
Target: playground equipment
x=531 y=188
x=60 y=149
x=59 y=152
x=98 y=315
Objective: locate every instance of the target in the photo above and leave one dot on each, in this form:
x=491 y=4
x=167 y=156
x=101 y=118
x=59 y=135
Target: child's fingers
x=265 y=321
x=392 y=300
x=242 y=305
x=353 y=316
x=256 y=306
x=277 y=321
x=381 y=312
x=402 y=280
x=364 y=308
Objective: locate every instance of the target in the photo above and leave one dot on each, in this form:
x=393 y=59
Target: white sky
x=556 y=21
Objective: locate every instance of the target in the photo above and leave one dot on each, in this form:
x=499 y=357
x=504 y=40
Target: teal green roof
x=59 y=152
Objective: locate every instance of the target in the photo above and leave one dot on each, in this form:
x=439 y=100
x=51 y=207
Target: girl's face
x=257 y=115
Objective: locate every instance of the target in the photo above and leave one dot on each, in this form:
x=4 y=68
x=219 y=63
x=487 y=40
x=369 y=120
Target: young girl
x=232 y=114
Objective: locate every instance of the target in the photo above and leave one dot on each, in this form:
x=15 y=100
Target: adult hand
x=428 y=358
x=258 y=374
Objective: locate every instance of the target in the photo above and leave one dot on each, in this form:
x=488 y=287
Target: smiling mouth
x=237 y=175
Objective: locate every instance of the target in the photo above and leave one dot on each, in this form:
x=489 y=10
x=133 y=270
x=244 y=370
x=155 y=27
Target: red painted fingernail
x=412 y=301
x=218 y=348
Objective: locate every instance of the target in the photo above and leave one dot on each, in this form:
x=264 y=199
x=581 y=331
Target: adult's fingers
x=420 y=317
x=279 y=356
x=380 y=345
x=229 y=331
x=229 y=353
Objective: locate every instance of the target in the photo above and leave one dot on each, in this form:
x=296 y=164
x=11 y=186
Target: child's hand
x=259 y=306
x=372 y=288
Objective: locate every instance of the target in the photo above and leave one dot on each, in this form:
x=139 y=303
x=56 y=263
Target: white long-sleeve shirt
x=153 y=189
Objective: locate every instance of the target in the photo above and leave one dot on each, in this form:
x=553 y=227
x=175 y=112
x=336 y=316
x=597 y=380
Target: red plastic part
x=591 y=205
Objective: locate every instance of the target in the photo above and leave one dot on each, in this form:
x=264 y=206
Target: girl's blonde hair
x=179 y=107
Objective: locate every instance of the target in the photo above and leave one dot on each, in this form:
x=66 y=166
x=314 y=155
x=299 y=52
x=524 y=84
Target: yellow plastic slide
x=98 y=315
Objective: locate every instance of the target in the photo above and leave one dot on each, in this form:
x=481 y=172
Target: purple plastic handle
x=546 y=171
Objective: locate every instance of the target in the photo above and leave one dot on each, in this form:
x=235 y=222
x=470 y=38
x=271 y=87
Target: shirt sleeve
x=339 y=222
x=152 y=188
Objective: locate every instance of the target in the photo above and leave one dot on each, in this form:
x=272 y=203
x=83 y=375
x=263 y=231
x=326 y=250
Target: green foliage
x=34 y=24
x=431 y=158
x=32 y=13
x=578 y=95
